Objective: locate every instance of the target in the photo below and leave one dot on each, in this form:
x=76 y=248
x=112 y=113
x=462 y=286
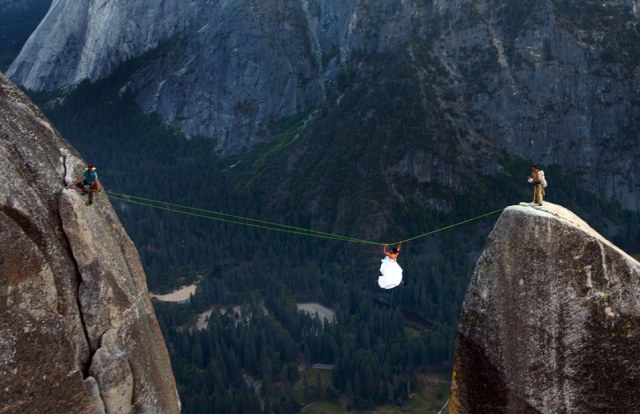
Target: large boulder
x=550 y=321
x=77 y=329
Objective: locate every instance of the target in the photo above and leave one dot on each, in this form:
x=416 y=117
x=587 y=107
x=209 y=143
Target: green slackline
x=262 y=224
x=245 y=221
x=453 y=225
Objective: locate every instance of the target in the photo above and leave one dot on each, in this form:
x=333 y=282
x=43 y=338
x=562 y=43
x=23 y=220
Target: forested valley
x=258 y=351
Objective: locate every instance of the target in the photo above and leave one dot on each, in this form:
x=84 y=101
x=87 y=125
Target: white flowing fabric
x=390 y=274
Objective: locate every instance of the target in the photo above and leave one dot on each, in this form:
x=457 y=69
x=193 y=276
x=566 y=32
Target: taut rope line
x=268 y=225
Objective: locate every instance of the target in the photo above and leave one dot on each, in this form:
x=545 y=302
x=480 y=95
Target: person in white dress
x=390 y=270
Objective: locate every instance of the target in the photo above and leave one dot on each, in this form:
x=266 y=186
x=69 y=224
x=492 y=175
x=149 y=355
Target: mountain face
x=18 y=19
x=454 y=86
x=550 y=321
x=86 y=39
x=77 y=330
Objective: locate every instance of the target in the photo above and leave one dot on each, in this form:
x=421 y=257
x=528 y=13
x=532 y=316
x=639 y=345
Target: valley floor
x=179 y=295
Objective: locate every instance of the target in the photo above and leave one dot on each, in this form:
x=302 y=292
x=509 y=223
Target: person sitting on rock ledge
x=88 y=183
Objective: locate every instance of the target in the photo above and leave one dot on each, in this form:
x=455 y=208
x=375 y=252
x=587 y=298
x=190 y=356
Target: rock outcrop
x=550 y=322
x=77 y=329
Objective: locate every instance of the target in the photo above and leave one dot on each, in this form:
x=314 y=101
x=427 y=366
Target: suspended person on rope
x=537 y=179
x=390 y=270
x=88 y=182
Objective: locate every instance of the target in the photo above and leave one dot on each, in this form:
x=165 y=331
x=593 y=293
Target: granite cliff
x=550 y=322
x=77 y=329
x=554 y=81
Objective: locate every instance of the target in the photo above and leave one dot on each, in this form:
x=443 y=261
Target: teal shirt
x=90 y=177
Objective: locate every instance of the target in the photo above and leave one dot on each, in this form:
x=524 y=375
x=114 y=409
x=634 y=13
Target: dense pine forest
x=258 y=351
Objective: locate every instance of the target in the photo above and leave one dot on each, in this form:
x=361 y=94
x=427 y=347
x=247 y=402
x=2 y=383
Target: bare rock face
x=86 y=39
x=77 y=330
x=552 y=81
x=550 y=322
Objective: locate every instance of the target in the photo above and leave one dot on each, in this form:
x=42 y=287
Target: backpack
x=543 y=179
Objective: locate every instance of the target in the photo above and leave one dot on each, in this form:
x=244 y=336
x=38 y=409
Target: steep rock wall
x=87 y=39
x=555 y=81
x=77 y=329
x=558 y=84
x=550 y=321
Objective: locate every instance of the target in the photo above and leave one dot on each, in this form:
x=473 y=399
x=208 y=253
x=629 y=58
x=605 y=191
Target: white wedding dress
x=390 y=274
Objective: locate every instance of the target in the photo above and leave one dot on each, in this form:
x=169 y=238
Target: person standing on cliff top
x=536 y=179
x=88 y=182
